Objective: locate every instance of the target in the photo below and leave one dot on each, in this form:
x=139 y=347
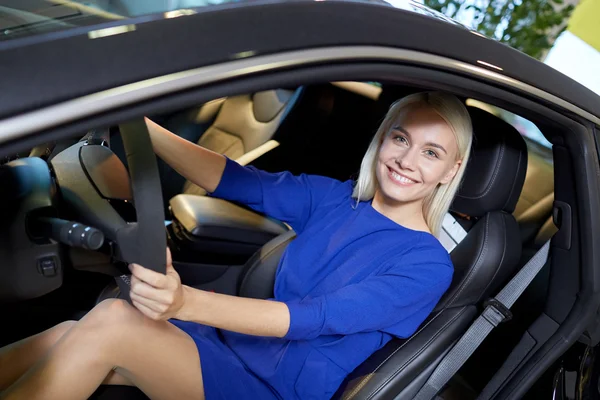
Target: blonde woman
x=366 y=266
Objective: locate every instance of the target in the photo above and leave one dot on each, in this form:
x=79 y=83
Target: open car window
x=525 y=127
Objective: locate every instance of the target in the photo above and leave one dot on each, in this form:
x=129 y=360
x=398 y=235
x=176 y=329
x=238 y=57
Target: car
x=298 y=86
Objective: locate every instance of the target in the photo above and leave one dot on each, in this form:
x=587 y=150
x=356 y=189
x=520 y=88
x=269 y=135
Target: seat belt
x=496 y=311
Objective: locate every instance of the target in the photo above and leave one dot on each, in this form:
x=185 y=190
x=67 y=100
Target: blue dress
x=352 y=279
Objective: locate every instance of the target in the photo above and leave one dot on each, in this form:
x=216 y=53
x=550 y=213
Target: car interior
x=504 y=209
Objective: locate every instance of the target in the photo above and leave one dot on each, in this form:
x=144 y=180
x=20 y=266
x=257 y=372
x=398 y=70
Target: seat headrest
x=496 y=169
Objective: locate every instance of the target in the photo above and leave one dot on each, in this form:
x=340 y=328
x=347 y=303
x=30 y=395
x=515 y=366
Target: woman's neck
x=409 y=215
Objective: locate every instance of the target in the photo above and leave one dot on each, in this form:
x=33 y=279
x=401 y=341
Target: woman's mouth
x=400 y=179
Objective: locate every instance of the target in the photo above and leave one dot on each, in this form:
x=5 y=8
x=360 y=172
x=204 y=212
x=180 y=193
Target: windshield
x=134 y=8
x=20 y=18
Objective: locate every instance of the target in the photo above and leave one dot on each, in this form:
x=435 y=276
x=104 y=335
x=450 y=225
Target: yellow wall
x=585 y=22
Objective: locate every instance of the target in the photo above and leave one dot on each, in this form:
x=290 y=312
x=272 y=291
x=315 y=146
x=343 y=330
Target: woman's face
x=418 y=153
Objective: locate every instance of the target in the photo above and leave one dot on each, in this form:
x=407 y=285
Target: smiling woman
x=349 y=289
x=280 y=347
x=415 y=156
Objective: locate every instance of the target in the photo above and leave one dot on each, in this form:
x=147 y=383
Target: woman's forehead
x=423 y=121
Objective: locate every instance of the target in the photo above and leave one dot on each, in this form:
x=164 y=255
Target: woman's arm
x=283 y=196
x=199 y=165
x=162 y=296
x=238 y=314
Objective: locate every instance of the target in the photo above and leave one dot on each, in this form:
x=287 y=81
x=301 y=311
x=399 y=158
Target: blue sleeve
x=396 y=302
x=283 y=196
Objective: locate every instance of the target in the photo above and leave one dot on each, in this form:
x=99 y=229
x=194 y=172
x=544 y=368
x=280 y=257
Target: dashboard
x=72 y=194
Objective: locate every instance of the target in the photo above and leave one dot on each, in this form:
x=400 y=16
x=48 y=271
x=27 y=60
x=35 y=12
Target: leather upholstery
x=243 y=123
x=258 y=277
x=535 y=202
x=394 y=367
x=497 y=167
x=214 y=218
x=534 y=208
x=483 y=261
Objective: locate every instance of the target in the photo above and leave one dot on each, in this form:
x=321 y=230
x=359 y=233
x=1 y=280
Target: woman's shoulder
x=426 y=244
x=329 y=189
x=422 y=248
x=424 y=259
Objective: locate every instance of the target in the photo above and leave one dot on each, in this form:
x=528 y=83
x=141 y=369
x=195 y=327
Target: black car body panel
x=35 y=73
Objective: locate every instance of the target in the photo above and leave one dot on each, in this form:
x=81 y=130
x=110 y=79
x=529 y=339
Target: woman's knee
x=60 y=329
x=111 y=312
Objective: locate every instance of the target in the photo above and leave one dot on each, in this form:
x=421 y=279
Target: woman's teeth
x=401 y=178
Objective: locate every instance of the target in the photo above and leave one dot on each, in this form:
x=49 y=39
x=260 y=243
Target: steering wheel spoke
x=143 y=242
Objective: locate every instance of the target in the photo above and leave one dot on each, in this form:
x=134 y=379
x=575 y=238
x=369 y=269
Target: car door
x=153 y=63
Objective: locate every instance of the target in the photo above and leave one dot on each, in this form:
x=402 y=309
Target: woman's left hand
x=157 y=296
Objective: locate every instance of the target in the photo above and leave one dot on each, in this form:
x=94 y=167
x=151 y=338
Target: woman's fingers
x=146 y=310
x=158 y=296
x=153 y=305
x=152 y=278
x=142 y=289
x=169 y=258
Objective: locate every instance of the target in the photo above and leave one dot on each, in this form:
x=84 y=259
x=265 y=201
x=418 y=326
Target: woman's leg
x=155 y=356
x=17 y=358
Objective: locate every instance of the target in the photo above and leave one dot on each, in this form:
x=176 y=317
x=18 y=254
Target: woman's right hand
x=157 y=296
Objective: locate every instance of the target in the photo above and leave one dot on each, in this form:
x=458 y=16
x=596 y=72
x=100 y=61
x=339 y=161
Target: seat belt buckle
x=500 y=308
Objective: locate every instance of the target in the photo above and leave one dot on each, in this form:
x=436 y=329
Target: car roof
x=58 y=66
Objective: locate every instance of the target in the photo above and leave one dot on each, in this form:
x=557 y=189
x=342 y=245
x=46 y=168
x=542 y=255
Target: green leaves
x=530 y=26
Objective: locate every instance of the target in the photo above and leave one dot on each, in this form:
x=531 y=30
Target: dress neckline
x=371 y=209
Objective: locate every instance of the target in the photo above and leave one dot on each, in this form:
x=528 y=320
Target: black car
x=298 y=86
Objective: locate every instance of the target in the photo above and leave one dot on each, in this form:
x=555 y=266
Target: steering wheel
x=143 y=242
x=87 y=174
x=80 y=183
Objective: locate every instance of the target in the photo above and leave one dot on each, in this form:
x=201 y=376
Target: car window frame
x=392 y=70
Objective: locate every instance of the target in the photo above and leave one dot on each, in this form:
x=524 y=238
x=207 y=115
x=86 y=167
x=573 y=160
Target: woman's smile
x=400 y=179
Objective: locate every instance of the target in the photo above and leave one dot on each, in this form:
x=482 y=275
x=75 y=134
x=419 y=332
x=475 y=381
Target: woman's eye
x=431 y=153
x=400 y=139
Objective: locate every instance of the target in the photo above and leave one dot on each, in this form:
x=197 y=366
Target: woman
x=364 y=267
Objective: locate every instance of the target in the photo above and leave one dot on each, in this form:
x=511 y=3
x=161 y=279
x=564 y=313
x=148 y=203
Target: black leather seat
x=485 y=259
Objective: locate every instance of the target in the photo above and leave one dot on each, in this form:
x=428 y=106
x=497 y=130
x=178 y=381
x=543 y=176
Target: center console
x=218 y=230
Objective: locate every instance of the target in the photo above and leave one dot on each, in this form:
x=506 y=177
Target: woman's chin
x=395 y=198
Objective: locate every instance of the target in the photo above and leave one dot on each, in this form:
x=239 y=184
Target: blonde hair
x=454 y=112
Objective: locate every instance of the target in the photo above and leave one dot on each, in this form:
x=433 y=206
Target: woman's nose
x=406 y=160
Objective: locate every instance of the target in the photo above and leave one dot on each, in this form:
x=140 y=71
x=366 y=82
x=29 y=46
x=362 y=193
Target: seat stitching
x=412 y=358
x=477 y=264
x=496 y=171
x=514 y=185
x=504 y=248
x=267 y=255
x=403 y=344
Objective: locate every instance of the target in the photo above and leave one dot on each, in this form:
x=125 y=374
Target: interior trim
x=252 y=155
x=361 y=88
x=68 y=111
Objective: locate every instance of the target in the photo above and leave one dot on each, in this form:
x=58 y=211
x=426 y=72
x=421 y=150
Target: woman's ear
x=452 y=173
